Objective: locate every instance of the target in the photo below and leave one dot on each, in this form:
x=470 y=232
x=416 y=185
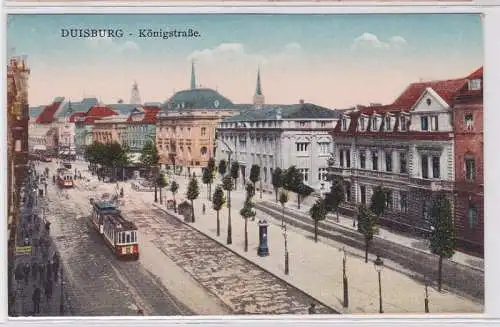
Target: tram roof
x=119 y=221
x=104 y=205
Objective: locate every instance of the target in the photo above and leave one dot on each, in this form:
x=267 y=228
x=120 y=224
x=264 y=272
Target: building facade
x=109 y=129
x=469 y=163
x=141 y=127
x=279 y=136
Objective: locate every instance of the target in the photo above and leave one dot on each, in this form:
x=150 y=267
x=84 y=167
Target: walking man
x=48 y=289
x=37 y=294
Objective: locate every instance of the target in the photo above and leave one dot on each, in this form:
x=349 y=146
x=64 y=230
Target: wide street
x=180 y=271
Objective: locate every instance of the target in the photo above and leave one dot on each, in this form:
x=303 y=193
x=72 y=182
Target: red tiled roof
x=72 y=118
x=446 y=89
x=150 y=114
x=478 y=73
x=47 y=114
x=100 y=111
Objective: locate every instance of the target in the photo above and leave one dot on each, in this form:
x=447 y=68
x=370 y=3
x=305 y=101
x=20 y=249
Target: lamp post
x=285 y=237
x=426 y=300
x=379 y=265
x=61 y=305
x=344 y=279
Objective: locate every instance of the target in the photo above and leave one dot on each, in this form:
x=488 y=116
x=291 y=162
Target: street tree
x=212 y=168
x=293 y=182
x=218 y=201
x=192 y=193
x=222 y=169
x=149 y=158
x=336 y=196
x=283 y=200
x=227 y=184
x=367 y=226
x=378 y=201
x=318 y=213
x=442 y=239
x=250 y=190
x=174 y=187
x=247 y=212
x=206 y=178
x=277 y=181
x=254 y=174
x=303 y=191
x=235 y=172
x=162 y=182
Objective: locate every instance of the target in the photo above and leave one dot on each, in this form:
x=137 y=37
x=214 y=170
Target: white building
x=66 y=138
x=280 y=136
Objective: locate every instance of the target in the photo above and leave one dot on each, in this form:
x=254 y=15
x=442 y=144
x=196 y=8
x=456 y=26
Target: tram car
x=64 y=178
x=120 y=235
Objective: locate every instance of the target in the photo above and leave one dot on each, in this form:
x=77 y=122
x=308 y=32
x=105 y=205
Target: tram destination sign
x=23 y=250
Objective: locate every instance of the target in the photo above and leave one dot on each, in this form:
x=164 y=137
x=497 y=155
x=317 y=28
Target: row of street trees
x=107 y=155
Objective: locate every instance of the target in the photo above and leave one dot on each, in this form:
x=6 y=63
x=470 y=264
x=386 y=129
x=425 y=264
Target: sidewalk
x=33 y=276
x=316 y=268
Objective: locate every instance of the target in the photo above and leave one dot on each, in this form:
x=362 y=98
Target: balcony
x=368 y=174
x=431 y=184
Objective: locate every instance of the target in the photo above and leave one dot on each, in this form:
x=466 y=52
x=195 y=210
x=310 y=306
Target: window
x=469 y=121
x=403 y=201
x=402 y=163
x=403 y=123
x=203 y=150
x=472 y=216
x=302 y=146
x=305 y=174
x=347 y=187
x=388 y=123
x=426 y=211
x=362 y=124
x=301 y=124
x=362 y=191
x=428 y=101
x=436 y=167
x=424 y=123
x=388 y=161
x=128 y=237
x=344 y=124
x=362 y=159
x=470 y=169
x=324 y=147
x=341 y=158
x=475 y=84
x=388 y=199
x=348 y=158
x=374 y=160
x=203 y=131
x=425 y=168
x=374 y=124
x=322 y=124
x=322 y=174
x=434 y=123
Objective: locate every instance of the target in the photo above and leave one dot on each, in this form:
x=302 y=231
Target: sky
x=331 y=60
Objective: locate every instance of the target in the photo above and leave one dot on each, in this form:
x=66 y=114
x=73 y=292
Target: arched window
x=203 y=150
x=472 y=216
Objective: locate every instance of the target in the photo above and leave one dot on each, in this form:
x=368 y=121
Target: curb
x=249 y=261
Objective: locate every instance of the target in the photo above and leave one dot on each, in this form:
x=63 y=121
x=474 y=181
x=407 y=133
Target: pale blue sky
x=333 y=60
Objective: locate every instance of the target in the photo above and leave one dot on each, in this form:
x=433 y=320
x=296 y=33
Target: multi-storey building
x=185 y=130
x=17 y=149
x=141 y=127
x=84 y=125
x=281 y=136
x=408 y=147
x=110 y=129
x=469 y=178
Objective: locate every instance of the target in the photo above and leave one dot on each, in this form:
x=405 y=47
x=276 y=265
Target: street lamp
x=379 y=265
x=426 y=301
x=344 y=279
x=285 y=237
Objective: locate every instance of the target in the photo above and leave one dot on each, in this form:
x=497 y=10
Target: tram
x=64 y=178
x=120 y=235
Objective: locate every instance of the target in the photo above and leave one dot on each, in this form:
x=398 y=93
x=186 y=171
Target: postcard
x=174 y=165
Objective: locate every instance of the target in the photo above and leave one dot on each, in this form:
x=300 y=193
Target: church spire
x=258 y=90
x=193 y=76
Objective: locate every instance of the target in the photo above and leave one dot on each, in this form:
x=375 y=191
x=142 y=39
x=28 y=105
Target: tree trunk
x=156 y=194
x=161 y=197
x=298 y=200
x=235 y=184
x=276 y=193
x=210 y=191
x=367 y=245
x=218 y=224
x=229 y=231
x=175 y=203
x=315 y=231
x=246 y=234
x=338 y=215
x=440 y=273
x=192 y=208
x=261 y=189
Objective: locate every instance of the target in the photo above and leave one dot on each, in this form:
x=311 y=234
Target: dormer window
x=403 y=123
x=362 y=124
x=344 y=124
x=388 y=123
x=374 y=124
x=302 y=123
x=475 y=84
x=428 y=101
x=424 y=123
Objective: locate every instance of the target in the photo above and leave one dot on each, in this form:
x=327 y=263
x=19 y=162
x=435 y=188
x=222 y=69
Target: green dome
x=197 y=99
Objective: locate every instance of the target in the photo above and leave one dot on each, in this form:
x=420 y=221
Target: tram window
x=132 y=237
x=128 y=237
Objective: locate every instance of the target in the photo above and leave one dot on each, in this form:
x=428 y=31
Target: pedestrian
x=55 y=259
x=312 y=309
x=26 y=273
x=48 y=289
x=204 y=208
x=34 y=269
x=49 y=270
x=41 y=270
x=37 y=295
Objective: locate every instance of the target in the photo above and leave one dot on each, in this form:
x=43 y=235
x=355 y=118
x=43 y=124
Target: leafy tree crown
x=218 y=199
x=254 y=173
x=161 y=181
x=318 y=211
x=292 y=179
x=174 y=187
x=442 y=240
x=277 y=178
x=336 y=196
x=193 y=190
x=247 y=210
x=378 y=200
x=222 y=167
x=235 y=169
x=283 y=197
x=250 y=190
x=367 y=222
x=207 y=177
x=227 y=183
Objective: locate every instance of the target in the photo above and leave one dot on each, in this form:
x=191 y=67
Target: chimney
x=301 y=101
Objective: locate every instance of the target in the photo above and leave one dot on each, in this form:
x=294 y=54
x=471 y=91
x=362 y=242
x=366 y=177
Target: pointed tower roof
x=193 y=76
x=258 y=90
